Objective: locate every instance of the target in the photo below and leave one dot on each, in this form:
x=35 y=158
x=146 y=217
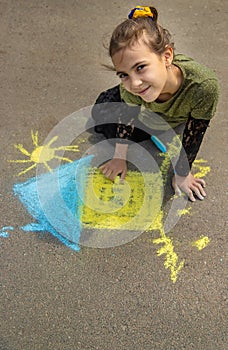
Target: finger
x=201 y=182
x=191 y=196
x=199 y=191
x=197 y=186
x=176 y=190
x=198 y=194
x=113 y=176
x=203 y=193
x=104 y=164
x=103 y=168
x=109 y=174
x=123 y=175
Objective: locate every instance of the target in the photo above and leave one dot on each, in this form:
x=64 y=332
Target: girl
x=153 y=78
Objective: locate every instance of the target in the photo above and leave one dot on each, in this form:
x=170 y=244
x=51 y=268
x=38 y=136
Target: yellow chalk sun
x=42 y=154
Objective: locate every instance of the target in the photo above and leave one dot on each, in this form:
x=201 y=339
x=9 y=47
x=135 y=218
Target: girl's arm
x=114 y=119
x=183 y=179
x=192 y=138
x=118 y=165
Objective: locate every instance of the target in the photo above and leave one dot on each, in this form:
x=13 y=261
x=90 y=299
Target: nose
x=135 y=82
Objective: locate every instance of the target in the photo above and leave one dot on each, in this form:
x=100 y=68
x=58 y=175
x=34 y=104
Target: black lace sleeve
x=104 y=112
x=114 y=118
x=192 y=138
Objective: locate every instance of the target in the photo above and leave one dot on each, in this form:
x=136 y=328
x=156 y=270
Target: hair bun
x=144 y=11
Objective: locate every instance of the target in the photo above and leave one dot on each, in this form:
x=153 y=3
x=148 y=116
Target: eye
x=122 y=76
x=139 y=68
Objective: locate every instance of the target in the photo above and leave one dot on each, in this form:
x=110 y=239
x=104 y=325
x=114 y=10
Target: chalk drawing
x=201 y=243
x=202 y=170
x=4 y=231
x=126 y=201
x=53 y=201
x=42 y=154
x=75 y=196
x=171 y=257
x=174 y=148
x=185 y=211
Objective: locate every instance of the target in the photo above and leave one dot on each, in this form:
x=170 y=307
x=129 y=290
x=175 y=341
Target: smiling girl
x=181 y=91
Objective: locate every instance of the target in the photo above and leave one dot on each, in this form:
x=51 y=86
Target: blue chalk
x=4 y=234
x=55 y=200
x=160 y=145
x=4 y=231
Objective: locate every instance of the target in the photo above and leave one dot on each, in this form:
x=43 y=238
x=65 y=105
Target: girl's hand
x=189 y=185
x=113 y=168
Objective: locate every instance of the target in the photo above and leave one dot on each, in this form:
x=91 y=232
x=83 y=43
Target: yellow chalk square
x=132 y=205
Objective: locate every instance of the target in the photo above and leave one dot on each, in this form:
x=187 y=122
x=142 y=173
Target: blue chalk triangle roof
x=55 y=200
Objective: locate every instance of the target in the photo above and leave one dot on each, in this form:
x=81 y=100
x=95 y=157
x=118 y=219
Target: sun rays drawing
x=42 y=154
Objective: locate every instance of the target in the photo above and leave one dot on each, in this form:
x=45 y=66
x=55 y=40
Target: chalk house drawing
x=63 y=212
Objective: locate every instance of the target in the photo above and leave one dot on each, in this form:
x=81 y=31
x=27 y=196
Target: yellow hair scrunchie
x=140 y=11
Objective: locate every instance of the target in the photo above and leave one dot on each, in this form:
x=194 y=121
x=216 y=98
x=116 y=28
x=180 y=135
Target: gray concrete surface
x=117 y=298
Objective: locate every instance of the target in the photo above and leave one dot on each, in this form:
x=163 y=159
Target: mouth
x=144 y=91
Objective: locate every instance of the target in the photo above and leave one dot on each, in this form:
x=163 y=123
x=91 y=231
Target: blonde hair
x=131 y=30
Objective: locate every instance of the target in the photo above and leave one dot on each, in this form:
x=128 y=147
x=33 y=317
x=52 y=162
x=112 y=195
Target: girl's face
x=142 y=72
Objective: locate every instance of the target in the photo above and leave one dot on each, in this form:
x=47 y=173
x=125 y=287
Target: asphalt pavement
x=123 y=296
